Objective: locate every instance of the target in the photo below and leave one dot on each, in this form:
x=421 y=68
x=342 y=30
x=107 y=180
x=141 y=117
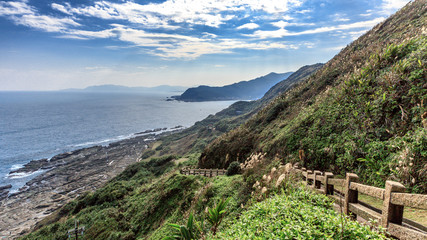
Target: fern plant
x=216 y=214
x=188 y=232
x=183 y=232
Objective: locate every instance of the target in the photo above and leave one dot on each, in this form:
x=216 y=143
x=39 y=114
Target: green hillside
x=364 y=111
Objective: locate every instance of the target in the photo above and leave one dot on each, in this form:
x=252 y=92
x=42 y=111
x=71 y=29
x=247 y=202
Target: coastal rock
x=4 y=191
x=32 y=166
x=6 y=187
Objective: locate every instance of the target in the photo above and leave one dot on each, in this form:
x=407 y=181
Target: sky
x=52 y=44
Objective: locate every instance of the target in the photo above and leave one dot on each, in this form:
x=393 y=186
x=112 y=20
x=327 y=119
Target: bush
x=148 y=154
x=299 y=214
x=233 y=168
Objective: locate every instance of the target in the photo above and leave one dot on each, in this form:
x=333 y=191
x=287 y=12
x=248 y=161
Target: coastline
x=66 y=176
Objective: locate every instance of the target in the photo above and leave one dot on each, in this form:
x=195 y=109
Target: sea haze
x=35 y=125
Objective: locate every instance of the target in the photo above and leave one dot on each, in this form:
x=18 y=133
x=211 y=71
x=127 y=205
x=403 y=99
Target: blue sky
x=51 y=44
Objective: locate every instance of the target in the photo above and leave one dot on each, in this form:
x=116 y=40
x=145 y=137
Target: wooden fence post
x=329 y=188
x=350 y=195
x=392 y=213
x=302 y=173
x=316 y=183
x=307 y=180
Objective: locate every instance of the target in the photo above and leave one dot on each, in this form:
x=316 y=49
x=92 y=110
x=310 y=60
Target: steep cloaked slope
x=364 y=111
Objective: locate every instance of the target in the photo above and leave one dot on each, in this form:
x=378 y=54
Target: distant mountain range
x=244 y=90
x=118 y=88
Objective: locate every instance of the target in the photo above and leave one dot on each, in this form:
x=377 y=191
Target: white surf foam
x=22 y=174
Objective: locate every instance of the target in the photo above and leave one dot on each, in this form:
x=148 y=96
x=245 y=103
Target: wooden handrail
x=368 y=190
x=410 y=200
x=393 y=197
x=203 y=172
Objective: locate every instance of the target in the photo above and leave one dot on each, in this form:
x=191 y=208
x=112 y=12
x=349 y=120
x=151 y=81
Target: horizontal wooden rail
x=405 y=233
x=393 y=196
x=410 y=200
x=337 y=182
x=368 y=190
x=204 y=172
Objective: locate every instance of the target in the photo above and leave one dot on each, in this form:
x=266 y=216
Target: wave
x=23 y=174
x=105 y=142
x=16 y=167
x=101 y=142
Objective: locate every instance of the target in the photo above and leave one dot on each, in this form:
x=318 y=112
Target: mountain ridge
x=243 y=90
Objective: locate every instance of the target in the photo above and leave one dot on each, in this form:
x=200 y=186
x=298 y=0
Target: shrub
x=233 y=168
x=300 y=214
x=148 y=154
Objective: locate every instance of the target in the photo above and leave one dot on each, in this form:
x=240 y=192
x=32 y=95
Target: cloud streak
x=23 y=14
x=282 y=32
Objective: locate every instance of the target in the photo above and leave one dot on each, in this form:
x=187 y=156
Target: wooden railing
x=346 y=191
x=203 y=172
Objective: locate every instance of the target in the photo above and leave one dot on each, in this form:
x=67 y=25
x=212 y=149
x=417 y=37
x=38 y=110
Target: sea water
x=36 y=125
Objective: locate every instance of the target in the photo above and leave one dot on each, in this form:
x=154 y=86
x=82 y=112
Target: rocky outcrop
x=4 y=191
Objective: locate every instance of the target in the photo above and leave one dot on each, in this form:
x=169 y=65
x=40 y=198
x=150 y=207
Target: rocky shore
x=66 y=176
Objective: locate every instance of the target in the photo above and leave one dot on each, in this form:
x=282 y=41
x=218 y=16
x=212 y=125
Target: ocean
x=36 y=125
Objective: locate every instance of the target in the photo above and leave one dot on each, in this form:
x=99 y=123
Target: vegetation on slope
x=140 y=202
x=296 y=214
x=196 y=138
x=363 y=112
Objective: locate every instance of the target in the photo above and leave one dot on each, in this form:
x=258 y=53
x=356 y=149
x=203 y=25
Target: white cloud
x=173 y=46
x=337 y=48
x=15 y=8
x=280 y=24
x=304 y=11
x=61 y=8
x=391 y=6
x=23 y=14
x=283 y=24
x=194 y=12
x=82 y=34
x=367 y=14
x=248 y=26
x=45 y=23
x=338 y=17
x=309 y=45
x=283 y=32
x=170 y=15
